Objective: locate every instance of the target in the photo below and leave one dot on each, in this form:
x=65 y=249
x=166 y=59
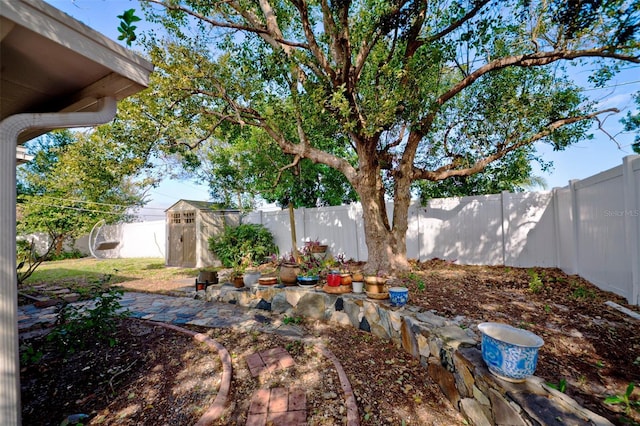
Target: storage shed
x=189 y=226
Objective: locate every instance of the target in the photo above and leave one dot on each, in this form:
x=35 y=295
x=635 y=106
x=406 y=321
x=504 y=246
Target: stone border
x=353 y=419
x=449 y=352
x=216 y=409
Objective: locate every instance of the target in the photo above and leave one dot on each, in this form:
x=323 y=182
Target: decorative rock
x=431 y=319
x=455 y=337
x=380 y=331
x=503 y=412
x=423 y=345
x=293 y=295
x=311 y=305
x=354 y=310
x=266 y=293
x=340 y=318
x=409 y=341
x=395 y=320
x=463 y=375
x=471 y=409
x=445 y=380
x=480 y=397
x=279 y=303
x=371 y=312
x=289 y=330
x=546 y=411
x=264 y=305
x=364 y=325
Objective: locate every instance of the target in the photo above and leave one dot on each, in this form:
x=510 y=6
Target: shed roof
x=202 y=205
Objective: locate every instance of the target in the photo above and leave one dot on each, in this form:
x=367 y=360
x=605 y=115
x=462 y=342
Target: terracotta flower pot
x=357 y=276
x=345 y=279
x=317 y=248
x=238 y=281
x=289 y=273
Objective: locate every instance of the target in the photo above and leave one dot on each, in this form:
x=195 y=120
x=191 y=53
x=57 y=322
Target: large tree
x=75 y=180
x=387 y=92
x=632 y=124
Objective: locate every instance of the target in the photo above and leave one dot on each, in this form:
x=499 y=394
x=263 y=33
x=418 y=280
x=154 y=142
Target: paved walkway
x=177 y=311
x=285 y=406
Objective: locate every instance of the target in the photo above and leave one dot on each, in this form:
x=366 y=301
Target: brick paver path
x=278 y=406
x=270 y=360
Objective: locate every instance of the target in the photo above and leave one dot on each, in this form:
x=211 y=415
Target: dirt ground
x=155 y=376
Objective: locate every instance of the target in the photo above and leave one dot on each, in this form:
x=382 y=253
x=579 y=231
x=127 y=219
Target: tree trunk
x=386 y=244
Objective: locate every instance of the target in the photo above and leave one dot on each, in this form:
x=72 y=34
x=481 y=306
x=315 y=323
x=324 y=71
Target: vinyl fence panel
x=590 y=228
x=467 y=230
x=529 y=229
x=603 y=257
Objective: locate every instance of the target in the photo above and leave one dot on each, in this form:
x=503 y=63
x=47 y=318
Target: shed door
x=182 y=239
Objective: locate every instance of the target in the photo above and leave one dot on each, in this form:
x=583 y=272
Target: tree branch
x=455 y=25
x=256 y=28
x=449 y=170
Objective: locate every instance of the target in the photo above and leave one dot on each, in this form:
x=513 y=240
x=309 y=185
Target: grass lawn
x=80 y=272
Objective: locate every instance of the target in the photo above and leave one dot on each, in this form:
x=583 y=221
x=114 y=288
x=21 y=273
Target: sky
x=577 y=162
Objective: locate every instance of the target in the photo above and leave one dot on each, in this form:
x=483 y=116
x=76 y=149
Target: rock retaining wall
x=449 y=352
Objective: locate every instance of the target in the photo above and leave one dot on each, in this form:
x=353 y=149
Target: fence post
x=556 y=225
x=631 y=226
x=505 y=224
x=573 y=193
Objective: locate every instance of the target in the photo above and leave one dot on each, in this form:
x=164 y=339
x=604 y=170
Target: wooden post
x=294 y=239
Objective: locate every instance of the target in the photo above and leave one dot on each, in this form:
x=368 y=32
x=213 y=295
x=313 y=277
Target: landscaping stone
x=449 y=352
x=472 y=410
x=279 y=303
x=503 y=412
x=311 y=305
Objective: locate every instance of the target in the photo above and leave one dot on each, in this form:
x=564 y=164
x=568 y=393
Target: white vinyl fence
x=590 y=228
x=139 y=239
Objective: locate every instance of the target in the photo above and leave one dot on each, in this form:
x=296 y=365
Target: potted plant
x=310 y=267
x=398 y=295
x=288 y=268
x=376 y=284
x=237 y=276
x=333 y=278
x=251 y=274
x=314 y=246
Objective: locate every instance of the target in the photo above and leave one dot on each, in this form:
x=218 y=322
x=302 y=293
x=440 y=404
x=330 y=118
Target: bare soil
x=157 y=376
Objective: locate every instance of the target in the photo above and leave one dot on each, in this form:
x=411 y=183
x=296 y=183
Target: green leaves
x=126 y=30
x=245 y=241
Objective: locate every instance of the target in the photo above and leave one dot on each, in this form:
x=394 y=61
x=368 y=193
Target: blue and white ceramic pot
x=398 y=295
x=510 y=353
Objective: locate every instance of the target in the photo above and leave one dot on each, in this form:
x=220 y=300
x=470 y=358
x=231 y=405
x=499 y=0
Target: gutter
x=10 y=129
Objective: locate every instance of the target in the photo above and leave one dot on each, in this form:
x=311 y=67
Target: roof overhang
x=53 y=63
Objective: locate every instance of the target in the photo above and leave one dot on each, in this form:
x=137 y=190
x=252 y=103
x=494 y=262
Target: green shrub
x=67 y=254
x=535 y=282
x=246 y=240
x=77 y=328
